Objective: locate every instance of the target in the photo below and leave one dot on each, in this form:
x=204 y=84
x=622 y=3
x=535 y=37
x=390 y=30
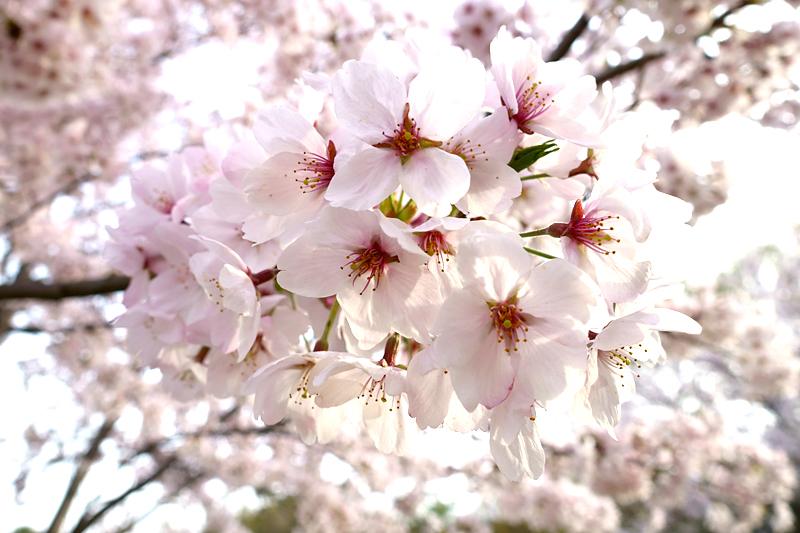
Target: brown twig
x=570 y=37
x=83 y=467
x=627 y=67
x=25 y=288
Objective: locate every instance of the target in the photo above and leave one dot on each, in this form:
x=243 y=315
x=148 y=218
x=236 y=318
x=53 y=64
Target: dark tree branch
x=570 y=37
x=83 y=467
x=719 y=22
x=46 y=200
x=25 y=288
x=87 y=520
x=624 y=68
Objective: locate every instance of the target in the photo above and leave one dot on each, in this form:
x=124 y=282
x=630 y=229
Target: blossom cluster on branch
x=378 y=275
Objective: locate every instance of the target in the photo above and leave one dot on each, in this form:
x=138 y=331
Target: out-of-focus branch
x=25 y=288
x=44 y=201
x=570 y=37
x=164 y=464
x=89 y=519
x=83 y=467
x=719 y=22
x=624 y=68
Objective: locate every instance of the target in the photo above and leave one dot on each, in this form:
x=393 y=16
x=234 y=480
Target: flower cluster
x=378 y=275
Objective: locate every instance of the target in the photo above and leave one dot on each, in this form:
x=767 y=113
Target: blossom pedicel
x=410 y=219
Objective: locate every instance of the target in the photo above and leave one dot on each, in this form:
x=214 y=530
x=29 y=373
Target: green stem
x=322 y=343
x=540 y=254
x=534 y=177
x=535 y=233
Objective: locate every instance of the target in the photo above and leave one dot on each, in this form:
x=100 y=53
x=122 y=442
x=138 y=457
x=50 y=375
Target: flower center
x=531 y=103
x=301 y=389
x=370 y=262
x=434 y=243
x=375 y=390
x=315 y=171
x=509 y=323
x=617 y=360
x=589 y=231
x=406 y=138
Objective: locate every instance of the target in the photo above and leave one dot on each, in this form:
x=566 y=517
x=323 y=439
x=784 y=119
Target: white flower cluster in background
x=402 y=272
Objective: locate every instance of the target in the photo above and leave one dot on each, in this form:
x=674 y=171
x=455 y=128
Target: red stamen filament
x=434 y=243
x=315 y=172
x=509 y=324
x=530 y=104
x=371 y=262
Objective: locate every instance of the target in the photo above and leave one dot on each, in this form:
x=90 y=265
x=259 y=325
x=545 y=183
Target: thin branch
x=87 y=520
x=719 y=22
x=627 y=67
x=83 y=467
x=44 y=201
x=25 y=288
x=570 y=37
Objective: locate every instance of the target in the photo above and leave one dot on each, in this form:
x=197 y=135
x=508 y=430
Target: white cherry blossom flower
x=373 y=267
x=546 y=98
x=513 y=325
x=405 y=131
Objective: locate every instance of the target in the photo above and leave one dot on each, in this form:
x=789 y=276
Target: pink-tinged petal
x=523 y=457
x=620 y=333
x=620 y=279
x=429 y=395
x=488 y=377
x=494 y=266
x=345 y=229
x=491 y=190
x=227 y=255
x=369 y=100
x=273 y=188
x=614 y=386
x=280 y=129
x=513 y=59
x=573 y=93
x=241 y=159
x=329 y=422
x=559 y=289
x=669 y=320
x=174 y=291
x=261 y=228
x=553 y=361
x=463 y=421
x=307 y=269
x=446 y=94
x=248 y=331
x=273 y=388
x=389 y=425
x=228 y=201
x=370 y=323
x=463 y=323
x=435 y=179
x=410 y=295
x=365 y=180
x=225 y=331
x=509 y=417
x=567 y=188
x=238 y=292
x=620 y=201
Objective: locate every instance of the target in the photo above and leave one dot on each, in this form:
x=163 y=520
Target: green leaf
x=524 y=158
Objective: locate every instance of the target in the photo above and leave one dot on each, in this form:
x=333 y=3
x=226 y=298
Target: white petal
x=369 y=100
x=523 y=457
x=280 y=129
x=238 y=292
x=365 y=180
x=434 y=179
